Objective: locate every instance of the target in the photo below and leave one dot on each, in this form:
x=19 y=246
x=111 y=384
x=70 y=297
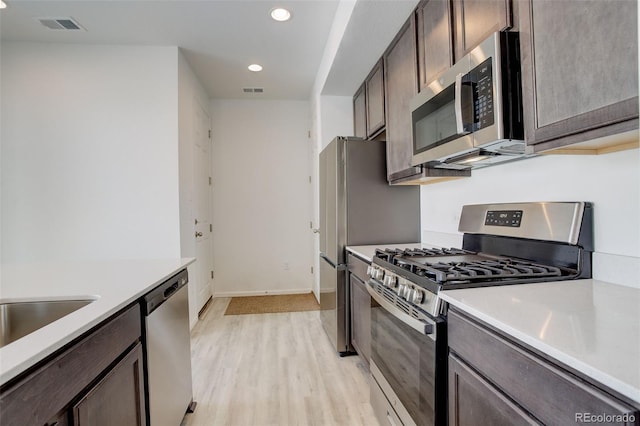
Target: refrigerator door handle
x=338 y=267
x=326 y=259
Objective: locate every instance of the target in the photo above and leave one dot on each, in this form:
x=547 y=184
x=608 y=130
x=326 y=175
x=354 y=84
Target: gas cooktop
x=454 y=268
x=502 y=244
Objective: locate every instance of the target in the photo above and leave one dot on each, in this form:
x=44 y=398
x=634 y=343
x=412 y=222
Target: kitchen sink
x=17 y=319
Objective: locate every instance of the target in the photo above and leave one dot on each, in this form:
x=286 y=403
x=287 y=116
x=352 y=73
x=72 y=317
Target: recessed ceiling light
x=3 y=5
x=255 y=67
x=280 y=14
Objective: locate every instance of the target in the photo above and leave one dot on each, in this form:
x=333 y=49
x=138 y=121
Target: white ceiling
x=372 y=26
x=220 y=38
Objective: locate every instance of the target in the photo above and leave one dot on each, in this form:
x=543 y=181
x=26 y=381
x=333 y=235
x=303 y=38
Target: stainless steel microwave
x=471 y=116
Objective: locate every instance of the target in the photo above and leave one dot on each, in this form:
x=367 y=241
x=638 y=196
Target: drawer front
x=51 y=386
x=358 y=267
x=552 y=395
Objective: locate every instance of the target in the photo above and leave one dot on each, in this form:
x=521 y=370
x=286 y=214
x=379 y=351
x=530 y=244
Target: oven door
x=407 y=365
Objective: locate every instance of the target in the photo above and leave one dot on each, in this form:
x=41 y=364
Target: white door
x=202 y=206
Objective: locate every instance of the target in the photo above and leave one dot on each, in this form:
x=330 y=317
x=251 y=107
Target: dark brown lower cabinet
x=118 y=399
x=60 y=419
x=360 y=305
x=360 y=318
x=495 y=379
x=474 y=401
x=95 y=380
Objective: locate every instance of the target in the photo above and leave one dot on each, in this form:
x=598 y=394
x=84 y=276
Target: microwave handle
x=458 y=104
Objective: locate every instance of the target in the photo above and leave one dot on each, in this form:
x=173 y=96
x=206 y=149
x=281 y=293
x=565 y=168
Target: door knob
x=198 y=234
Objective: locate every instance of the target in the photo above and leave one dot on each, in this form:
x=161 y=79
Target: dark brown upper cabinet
x=435 y=40
x=374 y=85
x=579 y=70
x=401 y=85
x=449 y=29
x=475 y=20
x=360 y=113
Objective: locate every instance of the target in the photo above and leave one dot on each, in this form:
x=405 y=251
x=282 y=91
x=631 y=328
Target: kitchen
x=34 y=155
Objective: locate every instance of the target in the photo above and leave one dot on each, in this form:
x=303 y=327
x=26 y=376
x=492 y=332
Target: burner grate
x=482 y=270
x=391 y=253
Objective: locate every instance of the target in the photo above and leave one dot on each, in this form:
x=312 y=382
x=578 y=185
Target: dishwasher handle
x=168 y=292
x=156 y=297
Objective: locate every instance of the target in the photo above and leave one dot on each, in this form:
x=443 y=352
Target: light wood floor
x=273 y=369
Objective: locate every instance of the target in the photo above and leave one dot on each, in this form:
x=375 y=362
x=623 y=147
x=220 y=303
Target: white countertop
x=367 y=252
x=589 y=325
x=113 y=285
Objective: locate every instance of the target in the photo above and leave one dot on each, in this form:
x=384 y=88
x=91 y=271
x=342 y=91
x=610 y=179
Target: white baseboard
x=259 y=292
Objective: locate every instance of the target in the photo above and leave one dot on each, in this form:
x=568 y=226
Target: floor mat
x=272 y=304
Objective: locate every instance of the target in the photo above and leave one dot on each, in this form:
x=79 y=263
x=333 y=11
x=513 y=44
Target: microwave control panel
x=482 y=77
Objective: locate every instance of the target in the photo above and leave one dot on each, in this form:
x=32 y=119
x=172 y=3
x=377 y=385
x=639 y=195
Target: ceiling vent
x=60 y=24
x=253 y=89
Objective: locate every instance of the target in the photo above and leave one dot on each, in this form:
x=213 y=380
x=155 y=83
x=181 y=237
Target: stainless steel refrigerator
x=357 y=207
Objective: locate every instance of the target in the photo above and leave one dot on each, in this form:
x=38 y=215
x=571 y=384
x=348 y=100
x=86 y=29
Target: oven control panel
x=404 y=288
x=509 y=218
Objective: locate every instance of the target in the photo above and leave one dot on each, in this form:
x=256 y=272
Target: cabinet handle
x=198 y=234
x=390 y=419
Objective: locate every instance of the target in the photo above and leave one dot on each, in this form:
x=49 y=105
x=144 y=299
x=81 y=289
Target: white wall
x=89 y=152
x=610 y=181
x=261 y=197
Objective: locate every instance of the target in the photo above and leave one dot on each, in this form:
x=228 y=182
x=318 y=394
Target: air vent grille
x=253 y=89
x=67 y=24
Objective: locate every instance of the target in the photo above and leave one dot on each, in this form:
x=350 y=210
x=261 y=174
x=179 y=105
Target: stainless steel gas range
x=503 y=244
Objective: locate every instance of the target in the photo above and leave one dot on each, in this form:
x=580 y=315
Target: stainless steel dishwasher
x=168 y=352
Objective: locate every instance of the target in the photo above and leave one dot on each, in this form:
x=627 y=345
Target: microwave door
x=442 y=126
x=437 y=122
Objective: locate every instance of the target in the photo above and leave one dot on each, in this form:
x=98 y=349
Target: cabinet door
x=580 y=70
x=435 y=41
x=360 y=318
x=360 y=114
x=375 y=100
x=118 y=399
x=475 y=20
x=401 y=85
x=473 y=401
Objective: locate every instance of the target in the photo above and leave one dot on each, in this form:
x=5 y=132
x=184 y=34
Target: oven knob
x=374 y=272
x=401 y=289
x=370 y=271
x=410 y=293
x=417 y=296
x=390 y=281
x=379 y=274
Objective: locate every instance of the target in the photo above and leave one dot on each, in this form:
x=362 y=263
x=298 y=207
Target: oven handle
x=424 y=326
